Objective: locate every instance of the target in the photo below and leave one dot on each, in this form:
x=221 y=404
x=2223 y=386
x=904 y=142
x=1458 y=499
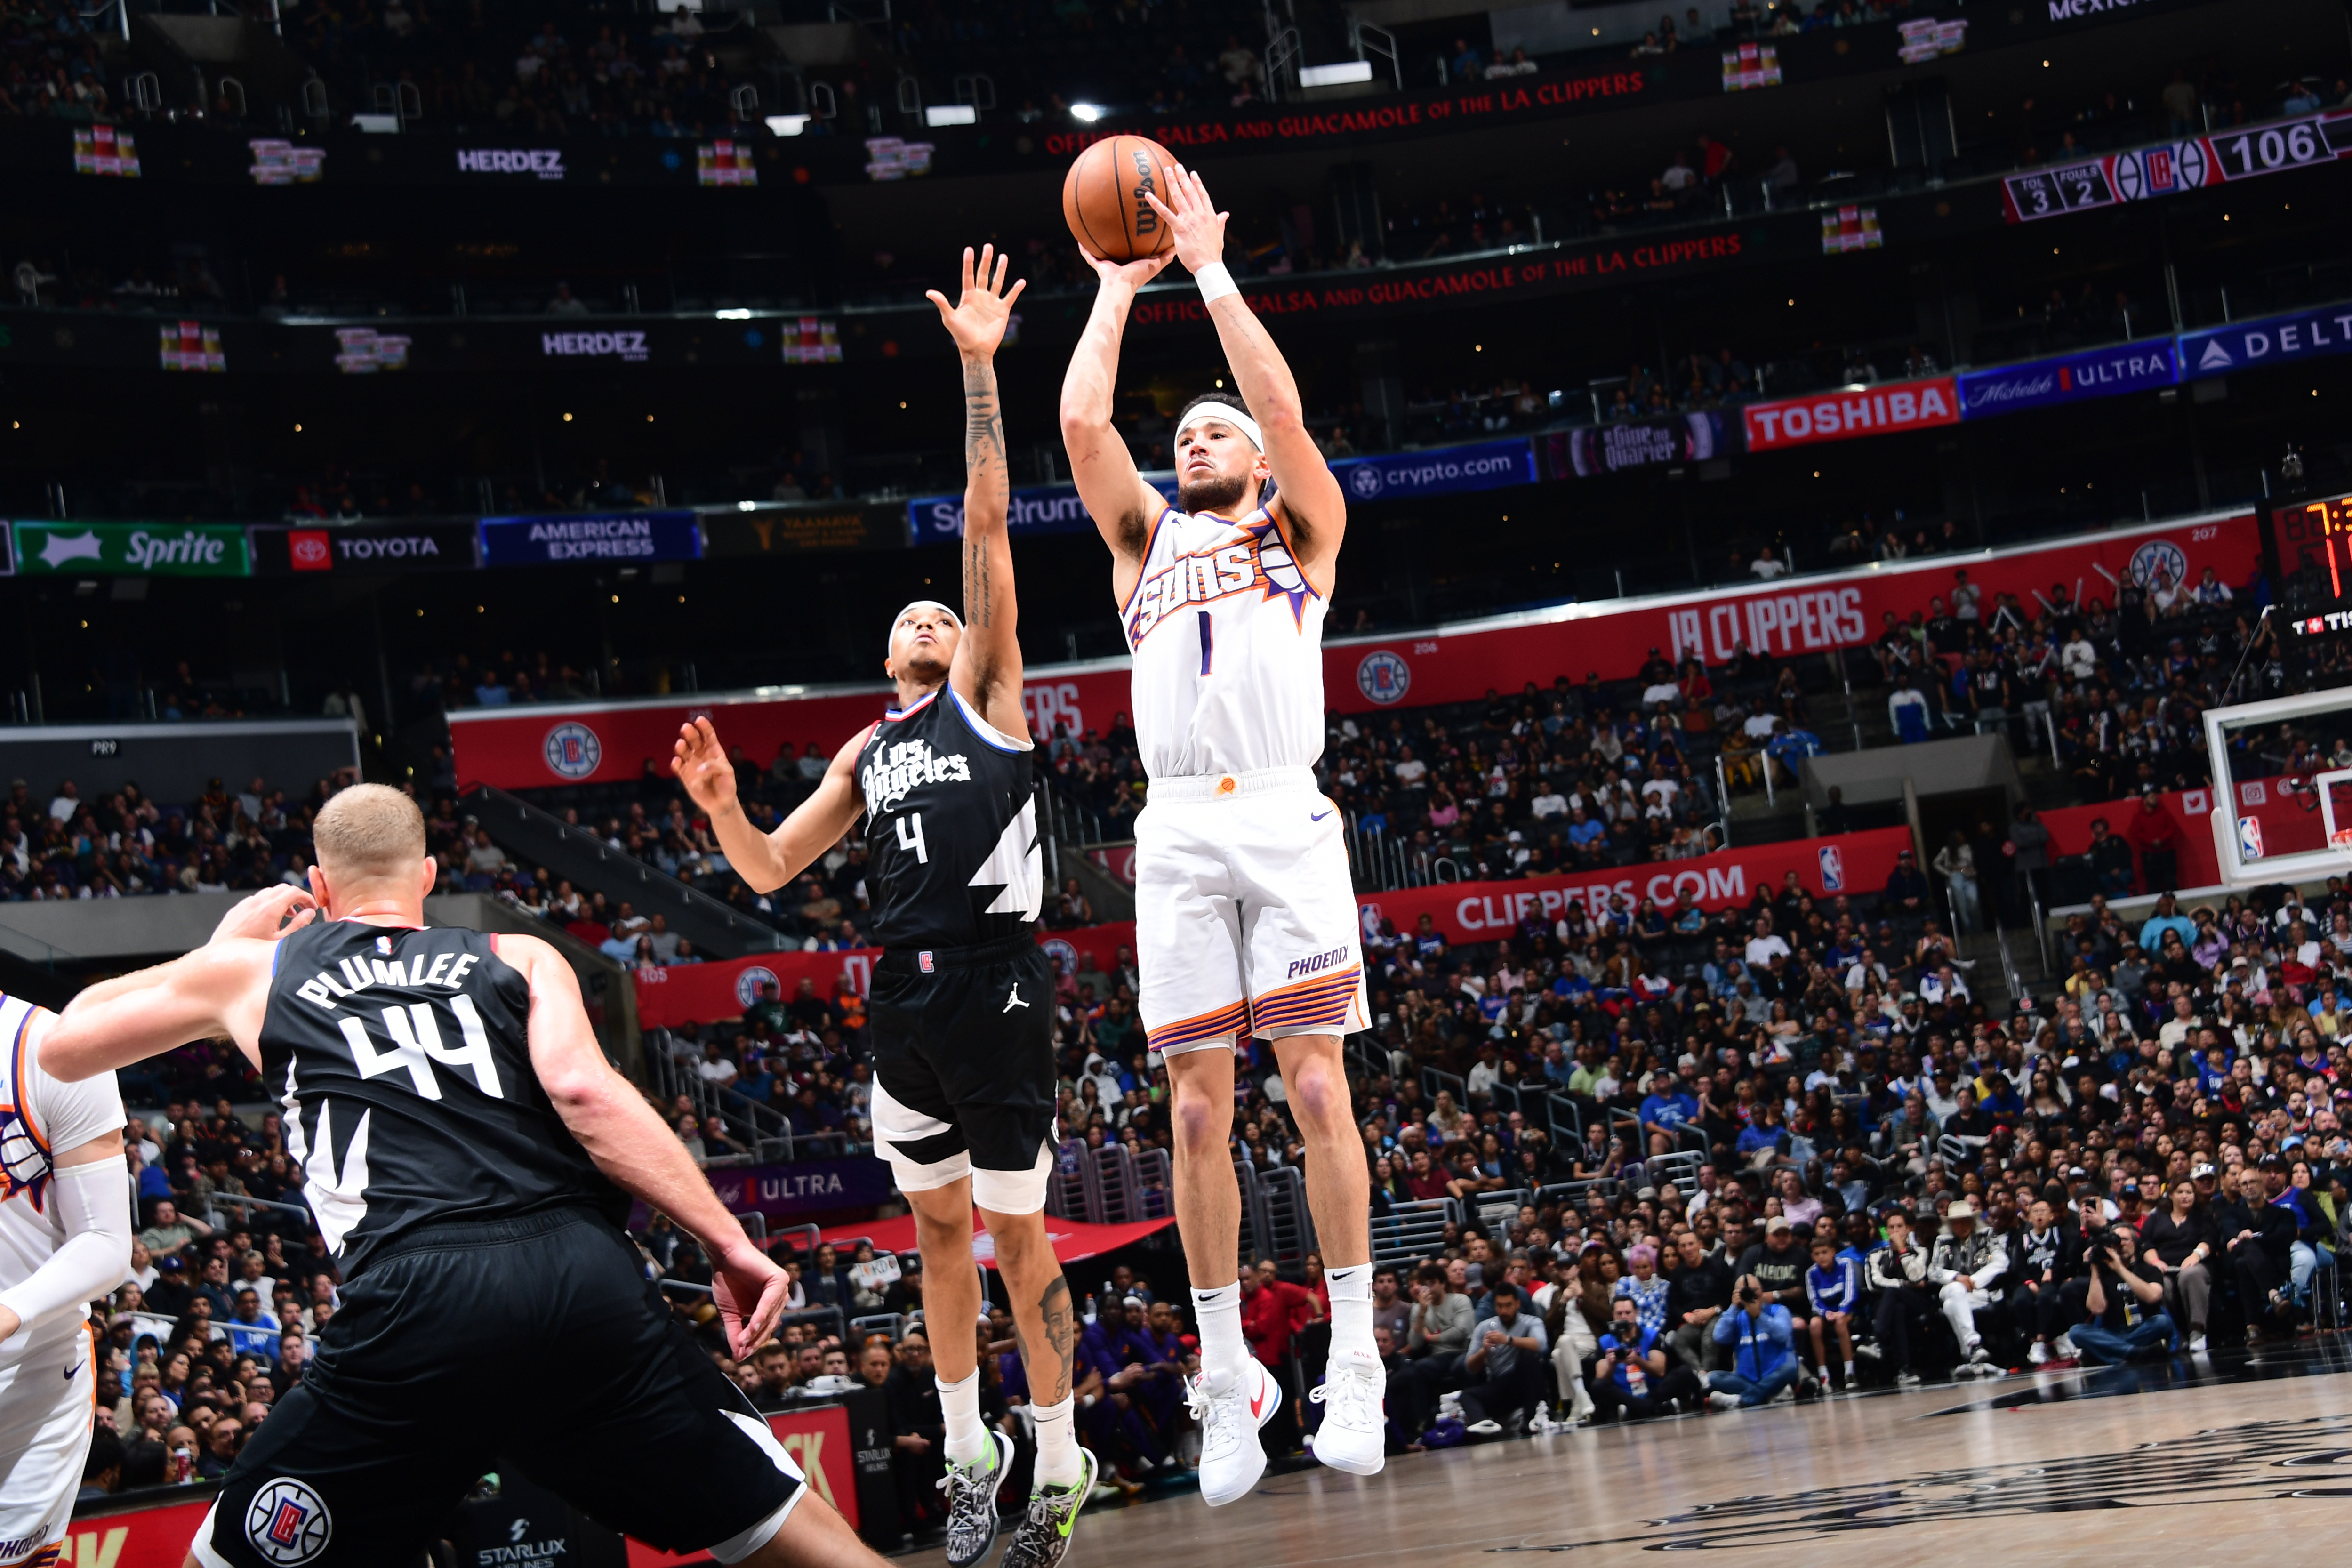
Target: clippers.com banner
x=708 y=992
x=1850 y=863
x=538 y=747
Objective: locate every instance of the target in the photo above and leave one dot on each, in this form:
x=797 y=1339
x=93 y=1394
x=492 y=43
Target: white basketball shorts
x=47 y=1401
x=1244 y=914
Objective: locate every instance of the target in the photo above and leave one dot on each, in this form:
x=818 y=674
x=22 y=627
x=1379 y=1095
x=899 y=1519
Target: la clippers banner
x=708 y=992
x=530 y=748
x=1613 y=638
x=2100 y=373
x=1849 y=863
x=536 y=747
x=2168 y=169
x=1843 y=415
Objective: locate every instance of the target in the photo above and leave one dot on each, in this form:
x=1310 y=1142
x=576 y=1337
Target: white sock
x=1849 y=1372
x=1218 y=1315
x=968 y=1441
x=1057 y=1443
x=1351 y=1310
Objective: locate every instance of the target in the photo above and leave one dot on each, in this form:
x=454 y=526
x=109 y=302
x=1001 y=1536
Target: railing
x=1371 y=40
x=1383 y=863
x=1413 y=1230
x=583 y=857
x=1283 y=52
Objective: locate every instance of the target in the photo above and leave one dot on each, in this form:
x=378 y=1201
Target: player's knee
x=1200 y=1123
x=1319 y=1096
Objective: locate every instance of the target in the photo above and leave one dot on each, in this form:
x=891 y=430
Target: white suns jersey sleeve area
x=41 y=1117
x=1228 y=644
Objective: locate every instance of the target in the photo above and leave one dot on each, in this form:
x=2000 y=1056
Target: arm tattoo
x=985 y=466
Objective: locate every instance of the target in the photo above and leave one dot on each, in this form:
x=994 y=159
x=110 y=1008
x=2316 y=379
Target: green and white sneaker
x=1042 y=1537
x=971 y=1502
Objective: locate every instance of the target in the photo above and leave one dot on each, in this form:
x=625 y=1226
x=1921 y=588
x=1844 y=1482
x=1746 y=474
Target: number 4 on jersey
x=913 y=842
x=416 y=1045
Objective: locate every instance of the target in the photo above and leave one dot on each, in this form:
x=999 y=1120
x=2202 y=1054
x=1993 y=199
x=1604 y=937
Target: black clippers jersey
x=953 y=857
x=402 y=1058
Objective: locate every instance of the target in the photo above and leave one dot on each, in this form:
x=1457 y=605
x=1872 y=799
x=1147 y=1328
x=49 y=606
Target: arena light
x=788 y=124
x=950 y=114
x=734 y=315
x=1336 y=75
x=1087 y=113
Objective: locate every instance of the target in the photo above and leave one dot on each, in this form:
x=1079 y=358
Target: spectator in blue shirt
x=1834 y=1285
x=1762 y=1361
x=1665 y=1112
x=2167 y=917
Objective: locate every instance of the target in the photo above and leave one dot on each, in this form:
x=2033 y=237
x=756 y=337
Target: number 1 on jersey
x=1205 y=624
x=914 y=841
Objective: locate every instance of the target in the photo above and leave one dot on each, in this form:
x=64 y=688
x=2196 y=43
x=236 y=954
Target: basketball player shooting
x=1246 y=916
x=961 y=1008
x=468 y=1154
x=65 y=1240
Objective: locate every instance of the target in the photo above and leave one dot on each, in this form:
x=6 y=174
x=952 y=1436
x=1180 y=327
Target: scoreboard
x=2313 y=539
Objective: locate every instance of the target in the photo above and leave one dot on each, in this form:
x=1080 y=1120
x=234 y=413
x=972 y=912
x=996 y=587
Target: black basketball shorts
x=965 y=1078
x=534 y=1345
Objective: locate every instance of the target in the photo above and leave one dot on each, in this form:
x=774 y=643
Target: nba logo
x=924 y=961
x=1833 y=868
x=2250 y=839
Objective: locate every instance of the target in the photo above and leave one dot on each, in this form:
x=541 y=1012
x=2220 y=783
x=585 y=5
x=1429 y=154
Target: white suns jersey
x=1228 y=645
x=39 y=1117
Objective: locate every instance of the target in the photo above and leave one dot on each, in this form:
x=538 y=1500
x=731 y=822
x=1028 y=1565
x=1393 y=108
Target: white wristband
x=1216 y=282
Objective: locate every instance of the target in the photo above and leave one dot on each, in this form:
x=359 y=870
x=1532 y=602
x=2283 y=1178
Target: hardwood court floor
x=2216 y=1465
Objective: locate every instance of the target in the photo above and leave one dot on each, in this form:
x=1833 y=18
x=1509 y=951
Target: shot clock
x=2315 y=551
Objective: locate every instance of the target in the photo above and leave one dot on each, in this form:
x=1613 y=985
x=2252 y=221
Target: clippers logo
x=573 y=750
x=1383 y=678
x=749 y=981
x=307 y=550
x=287 y=1522
x=2157 y=564
x=926 y=961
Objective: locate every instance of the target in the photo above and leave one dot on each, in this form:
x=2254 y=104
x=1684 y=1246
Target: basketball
x=1102 y=198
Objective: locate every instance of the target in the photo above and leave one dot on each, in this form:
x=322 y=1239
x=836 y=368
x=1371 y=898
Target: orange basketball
x=1102 y=198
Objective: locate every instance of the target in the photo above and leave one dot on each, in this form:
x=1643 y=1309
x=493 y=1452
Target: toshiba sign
x=1841 y=416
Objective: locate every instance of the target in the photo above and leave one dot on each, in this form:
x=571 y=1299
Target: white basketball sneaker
x=1353 y=1437
x=1232 y=1460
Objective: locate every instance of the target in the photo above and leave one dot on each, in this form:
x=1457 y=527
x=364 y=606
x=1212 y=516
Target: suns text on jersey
x=1191 y=580
x=898 y=768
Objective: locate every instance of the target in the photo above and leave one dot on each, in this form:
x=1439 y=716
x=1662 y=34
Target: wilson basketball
x=1102 y=198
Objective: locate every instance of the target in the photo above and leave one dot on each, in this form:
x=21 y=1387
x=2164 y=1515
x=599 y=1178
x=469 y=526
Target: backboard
x=2283 y=788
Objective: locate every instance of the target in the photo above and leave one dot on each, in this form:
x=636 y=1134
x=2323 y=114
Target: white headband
x=924 y=603
x=1226 y=412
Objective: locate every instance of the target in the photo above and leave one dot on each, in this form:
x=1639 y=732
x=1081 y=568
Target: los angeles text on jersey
x=892 y=773
x=1191 y=580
